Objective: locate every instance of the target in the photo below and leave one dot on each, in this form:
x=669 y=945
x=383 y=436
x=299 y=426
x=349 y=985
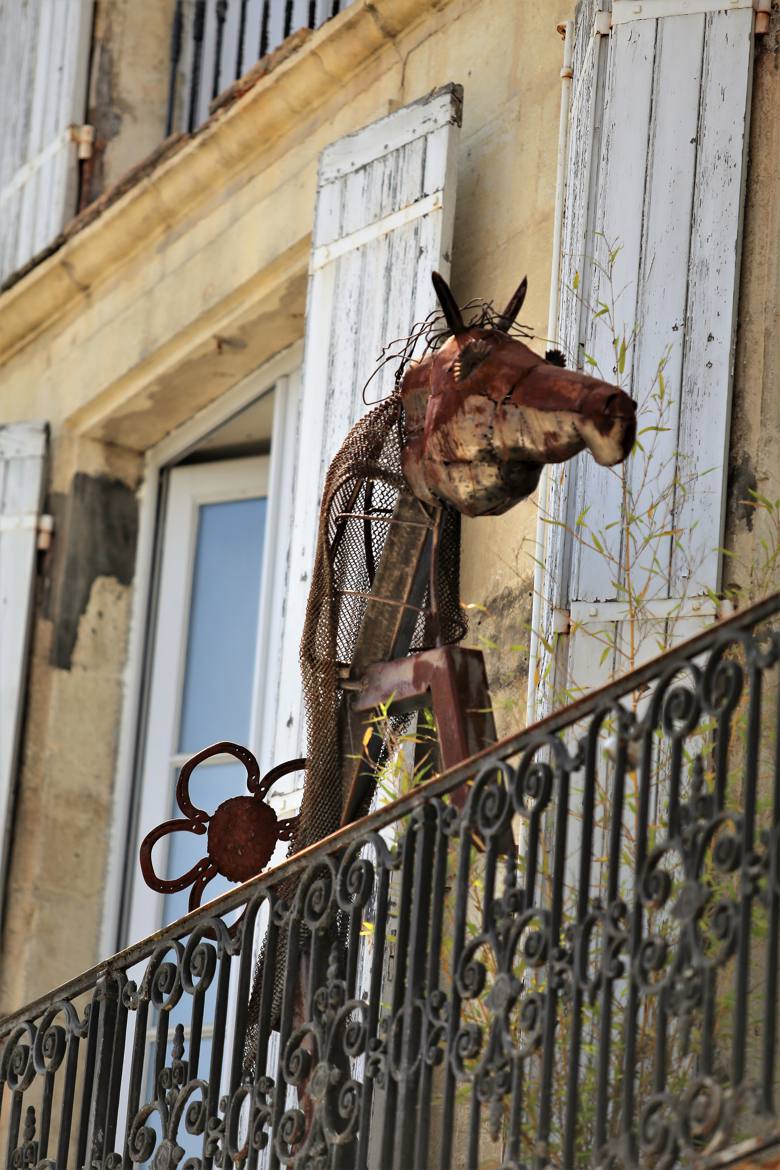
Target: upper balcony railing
x=605 y=992
x=214 y=42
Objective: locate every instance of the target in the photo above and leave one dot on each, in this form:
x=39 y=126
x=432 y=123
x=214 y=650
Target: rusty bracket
x=449 y=679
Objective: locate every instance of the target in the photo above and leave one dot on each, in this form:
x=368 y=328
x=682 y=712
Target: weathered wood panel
x=662 y=211
x=713 y=287
x=43 y=92
x=22 y=460
x=383 y=220
x=585 y=130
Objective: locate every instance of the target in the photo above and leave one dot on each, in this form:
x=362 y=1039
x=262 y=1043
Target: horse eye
x=469 y=359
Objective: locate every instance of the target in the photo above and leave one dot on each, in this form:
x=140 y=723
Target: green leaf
x=575 y=284
x=622 y=356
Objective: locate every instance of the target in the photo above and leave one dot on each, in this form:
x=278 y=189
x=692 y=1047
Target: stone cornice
x=175 y=179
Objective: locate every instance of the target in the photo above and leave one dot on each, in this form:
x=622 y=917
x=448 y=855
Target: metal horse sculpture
x=484 y=414
x=473 y=424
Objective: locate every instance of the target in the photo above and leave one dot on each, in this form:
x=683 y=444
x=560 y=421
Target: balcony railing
x=214 y=42
x=605 y=993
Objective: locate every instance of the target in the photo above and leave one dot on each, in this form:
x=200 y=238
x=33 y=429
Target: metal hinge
x=24 y=521
x=84 y=137
x=763 y=11
x=561 y=621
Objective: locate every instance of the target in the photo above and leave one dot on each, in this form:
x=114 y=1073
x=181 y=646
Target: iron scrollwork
x=604 y=996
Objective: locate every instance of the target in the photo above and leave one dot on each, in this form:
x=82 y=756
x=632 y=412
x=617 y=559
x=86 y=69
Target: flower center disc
x=242 y=836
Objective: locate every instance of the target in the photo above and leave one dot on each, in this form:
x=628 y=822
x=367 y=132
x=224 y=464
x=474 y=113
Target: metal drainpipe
x=552 y=334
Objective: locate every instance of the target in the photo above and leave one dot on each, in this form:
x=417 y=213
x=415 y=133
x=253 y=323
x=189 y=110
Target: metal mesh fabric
x=359 y=497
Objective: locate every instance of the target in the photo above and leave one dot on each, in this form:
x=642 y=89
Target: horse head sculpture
x=484 y=413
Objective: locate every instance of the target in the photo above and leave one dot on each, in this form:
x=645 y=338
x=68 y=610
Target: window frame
x=282 y=376
x=190 y=487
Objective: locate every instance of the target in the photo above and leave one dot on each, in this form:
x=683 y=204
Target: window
x=214 y=42
x=206 y=632
x=201 y=685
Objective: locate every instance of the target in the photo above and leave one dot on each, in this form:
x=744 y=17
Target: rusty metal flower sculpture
x=241 y=834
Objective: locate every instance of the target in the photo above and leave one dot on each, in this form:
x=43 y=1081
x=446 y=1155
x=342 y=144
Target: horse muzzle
x=607 y=424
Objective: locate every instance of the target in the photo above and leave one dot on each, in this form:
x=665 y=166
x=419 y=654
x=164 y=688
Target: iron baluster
x=68 y=1092
x=89 y=1076
x=458 y=938
x=264 y=22
x=221 y=14
x=581 y=940
x=553 y=957
x=375 y=1068
x=433 y=1000
x=240 y=44
x=748 y=876
x=198 y=27
x=174 y=59
x=412 y=1052
x=100 y=1098
x=135 y=1083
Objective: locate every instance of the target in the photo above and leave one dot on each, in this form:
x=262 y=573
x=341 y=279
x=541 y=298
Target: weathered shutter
x=383 y=221
x=44 y=59
x=22 y=459
x=655 y=185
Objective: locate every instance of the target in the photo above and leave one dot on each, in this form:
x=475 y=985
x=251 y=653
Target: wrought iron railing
x=605 y=993
x=215 y=42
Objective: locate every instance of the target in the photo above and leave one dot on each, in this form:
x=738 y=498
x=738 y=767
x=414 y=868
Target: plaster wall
x=128 y=87
x=181 y=287
x=753 y=526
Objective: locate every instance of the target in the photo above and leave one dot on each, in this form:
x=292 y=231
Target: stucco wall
x=128 y=87
x=193 y=278
x=753 y=528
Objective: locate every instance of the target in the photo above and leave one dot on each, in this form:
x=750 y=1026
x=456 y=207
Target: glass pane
x=223 y=624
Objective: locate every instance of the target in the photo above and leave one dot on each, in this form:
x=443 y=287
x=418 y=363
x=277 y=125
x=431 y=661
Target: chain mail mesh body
x=360 y=493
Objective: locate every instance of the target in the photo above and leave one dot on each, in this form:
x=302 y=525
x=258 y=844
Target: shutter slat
x=663 y=281
x=50 y=43
x=383 y=220
x=22 y=459
x=37 y=138
x=716 y=246
x=673 y=98
x=618 y=226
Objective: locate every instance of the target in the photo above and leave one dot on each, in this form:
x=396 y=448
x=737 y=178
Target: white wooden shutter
x=659 y=124
x=383 y=221
x=22 y=460
x=44 y=59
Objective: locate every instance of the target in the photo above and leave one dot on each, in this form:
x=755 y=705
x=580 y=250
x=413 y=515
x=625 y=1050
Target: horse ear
x=507 y=318
x=448 y=304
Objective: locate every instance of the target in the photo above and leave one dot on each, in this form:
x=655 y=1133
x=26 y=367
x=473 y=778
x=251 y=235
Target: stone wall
x=174 y=286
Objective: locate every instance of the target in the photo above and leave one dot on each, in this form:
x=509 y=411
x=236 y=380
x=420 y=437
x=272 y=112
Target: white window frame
x=282 y=375
x=190 y=487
